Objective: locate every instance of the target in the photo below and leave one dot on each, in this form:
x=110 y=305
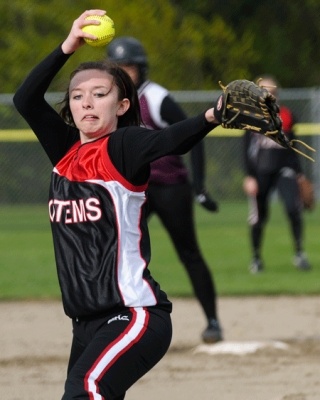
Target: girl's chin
x=87 y=136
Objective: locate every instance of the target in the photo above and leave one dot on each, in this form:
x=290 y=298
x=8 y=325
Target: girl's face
x=94 y=104
x=270 y=85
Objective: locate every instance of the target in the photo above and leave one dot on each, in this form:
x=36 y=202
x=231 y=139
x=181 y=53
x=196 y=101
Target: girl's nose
x=86 y=103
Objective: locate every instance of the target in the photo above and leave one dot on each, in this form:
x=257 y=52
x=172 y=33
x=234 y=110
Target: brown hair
x=126 y=89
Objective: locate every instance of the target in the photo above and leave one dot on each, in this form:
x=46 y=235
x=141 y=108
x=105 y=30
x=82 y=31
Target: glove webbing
x=290 y=146
x=290 y=143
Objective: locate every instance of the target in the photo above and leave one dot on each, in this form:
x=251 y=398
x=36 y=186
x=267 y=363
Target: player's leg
x=289 y=193
x=151 y=202
x=174 y=206
x=197 y=157
x=258 y=216
x=119 y=350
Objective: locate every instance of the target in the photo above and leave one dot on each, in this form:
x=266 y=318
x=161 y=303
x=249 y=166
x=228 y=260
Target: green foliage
x=184 y=53
x=286 y=35
x=191 y=44
x=28 y=267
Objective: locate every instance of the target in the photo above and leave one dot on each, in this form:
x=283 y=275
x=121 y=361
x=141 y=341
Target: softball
x=104 y=32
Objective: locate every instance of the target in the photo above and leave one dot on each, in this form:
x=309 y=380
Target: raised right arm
x=52 y=132
x=55 y=136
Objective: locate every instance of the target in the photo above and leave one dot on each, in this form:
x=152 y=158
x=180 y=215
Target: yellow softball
x=105 y=31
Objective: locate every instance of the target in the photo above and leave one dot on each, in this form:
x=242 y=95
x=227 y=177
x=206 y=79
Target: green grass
x=224 y=240
x=27 y=268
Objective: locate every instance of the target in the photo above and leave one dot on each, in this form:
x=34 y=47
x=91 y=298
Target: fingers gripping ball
x=105 y=31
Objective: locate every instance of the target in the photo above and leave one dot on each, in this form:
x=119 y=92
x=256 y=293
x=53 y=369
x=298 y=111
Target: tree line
x=191 y=44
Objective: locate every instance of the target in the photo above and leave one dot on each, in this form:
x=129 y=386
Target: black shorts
x=110 y=354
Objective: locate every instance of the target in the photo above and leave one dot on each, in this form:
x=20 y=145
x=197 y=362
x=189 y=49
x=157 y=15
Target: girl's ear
x=123 y=107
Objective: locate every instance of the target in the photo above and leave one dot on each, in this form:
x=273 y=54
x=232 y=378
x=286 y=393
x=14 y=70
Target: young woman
x=270 y=167
x=97 y=208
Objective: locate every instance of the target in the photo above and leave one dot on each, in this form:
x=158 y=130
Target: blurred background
x=191 y=45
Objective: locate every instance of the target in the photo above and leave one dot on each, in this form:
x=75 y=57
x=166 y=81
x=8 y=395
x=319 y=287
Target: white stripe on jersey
x=135 y=291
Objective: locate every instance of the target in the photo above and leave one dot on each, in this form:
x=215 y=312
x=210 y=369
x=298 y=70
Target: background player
x=170 y=194
x=269 y=166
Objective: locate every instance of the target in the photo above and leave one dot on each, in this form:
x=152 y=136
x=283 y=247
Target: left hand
x=205 y=201
x=250 y=186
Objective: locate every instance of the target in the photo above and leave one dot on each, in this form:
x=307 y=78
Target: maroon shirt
x=159 y=110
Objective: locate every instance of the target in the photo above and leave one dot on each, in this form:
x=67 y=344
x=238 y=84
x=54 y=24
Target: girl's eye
x=77 y=97
x=100 y=94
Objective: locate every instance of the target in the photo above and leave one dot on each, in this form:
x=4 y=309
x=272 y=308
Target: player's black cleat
x=213 y=332
x=205 y=201
x=256 y=266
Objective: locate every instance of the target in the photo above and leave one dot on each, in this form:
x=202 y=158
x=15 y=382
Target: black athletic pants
x=109 y=354
x=174 y=206
x=285 y=181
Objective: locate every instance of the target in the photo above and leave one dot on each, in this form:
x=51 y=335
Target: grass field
x=27 y=268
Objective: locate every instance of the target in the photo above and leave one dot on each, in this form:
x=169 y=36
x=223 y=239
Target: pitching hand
x=76 y=36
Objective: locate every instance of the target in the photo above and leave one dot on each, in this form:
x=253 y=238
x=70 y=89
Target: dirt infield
x=35 y=339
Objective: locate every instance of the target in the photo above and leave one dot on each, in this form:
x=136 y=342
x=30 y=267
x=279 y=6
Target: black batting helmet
x=128 y=50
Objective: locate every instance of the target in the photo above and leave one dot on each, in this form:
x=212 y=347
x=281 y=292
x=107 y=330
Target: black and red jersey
x=97 y=200
x=98 y=222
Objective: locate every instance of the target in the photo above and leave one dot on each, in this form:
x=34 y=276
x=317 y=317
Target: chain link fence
x=25 y=169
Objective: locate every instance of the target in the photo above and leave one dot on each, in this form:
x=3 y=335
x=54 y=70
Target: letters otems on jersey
x=90 y=199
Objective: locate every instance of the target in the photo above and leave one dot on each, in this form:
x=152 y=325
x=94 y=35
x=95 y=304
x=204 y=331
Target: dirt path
x=35 y=339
